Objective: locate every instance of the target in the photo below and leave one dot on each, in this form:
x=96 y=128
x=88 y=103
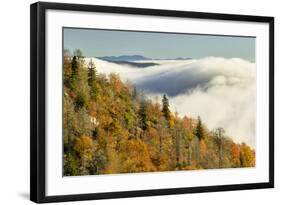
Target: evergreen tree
x=74 y=68
x=78 y=54
x=143 y=115
x=79 y=81
x=67 y=68
x=92 y=78
x=76 y=63
x=134 y=93
x=165 y=109
x=199 y=132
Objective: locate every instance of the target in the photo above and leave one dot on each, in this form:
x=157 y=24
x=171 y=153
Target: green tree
x=165 y=109
x=92 y=80
x=79 y=83
x=74 y=68
x=67 y=68
x=78 y=54
x=71 y=165
x=134 y=93
x=199 y=131
x=143 y=115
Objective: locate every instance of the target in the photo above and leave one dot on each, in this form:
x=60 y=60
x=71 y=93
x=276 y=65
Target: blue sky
x=99 y=43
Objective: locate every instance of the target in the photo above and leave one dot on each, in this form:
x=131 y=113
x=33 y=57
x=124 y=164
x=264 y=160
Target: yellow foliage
x=136 y=157
x=248 y=156
x=172 y=122
x=84 y=147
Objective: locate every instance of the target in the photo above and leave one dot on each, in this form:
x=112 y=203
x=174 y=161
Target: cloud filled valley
x=222 y=91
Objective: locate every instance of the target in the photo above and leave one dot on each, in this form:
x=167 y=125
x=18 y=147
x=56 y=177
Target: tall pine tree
x=92 y=78
x=165 y=109
x=74 y=68
x=143 y=115
x=199 y=132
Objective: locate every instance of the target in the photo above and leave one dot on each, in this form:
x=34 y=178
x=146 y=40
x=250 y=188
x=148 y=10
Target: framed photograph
x=129 y=102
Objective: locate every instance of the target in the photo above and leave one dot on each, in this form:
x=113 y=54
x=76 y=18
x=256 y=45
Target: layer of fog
x=222 y=91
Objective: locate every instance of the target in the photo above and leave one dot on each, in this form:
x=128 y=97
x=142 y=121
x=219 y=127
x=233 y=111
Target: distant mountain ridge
x=124 y=58
x=129 y=58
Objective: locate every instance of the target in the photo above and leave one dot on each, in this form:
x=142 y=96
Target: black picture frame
x=38 y=101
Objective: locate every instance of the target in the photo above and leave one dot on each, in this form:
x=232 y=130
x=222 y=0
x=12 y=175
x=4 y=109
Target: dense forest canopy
x=111 y=127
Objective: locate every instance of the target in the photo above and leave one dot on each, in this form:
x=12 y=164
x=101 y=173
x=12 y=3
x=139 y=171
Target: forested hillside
x=111 y=127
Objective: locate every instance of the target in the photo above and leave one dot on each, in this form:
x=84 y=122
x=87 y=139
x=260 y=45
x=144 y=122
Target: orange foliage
x=235 y=152
x=153 y=133
x=137 y=157
x=116 y=82
x=203 y=148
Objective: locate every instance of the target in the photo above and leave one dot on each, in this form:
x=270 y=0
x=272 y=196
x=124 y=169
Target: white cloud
x=222 y=91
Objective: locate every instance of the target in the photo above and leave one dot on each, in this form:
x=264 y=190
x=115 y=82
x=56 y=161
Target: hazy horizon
x=99 y=43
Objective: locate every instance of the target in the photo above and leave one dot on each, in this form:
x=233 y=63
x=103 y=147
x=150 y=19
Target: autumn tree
x=84 y=148
x=247 y=156
x=235 y=155
x=136 y=157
